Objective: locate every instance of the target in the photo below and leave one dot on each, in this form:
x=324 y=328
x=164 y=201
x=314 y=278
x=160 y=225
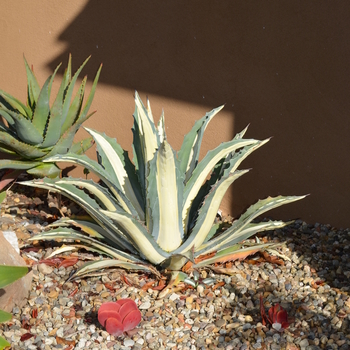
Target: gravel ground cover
x=313 y=286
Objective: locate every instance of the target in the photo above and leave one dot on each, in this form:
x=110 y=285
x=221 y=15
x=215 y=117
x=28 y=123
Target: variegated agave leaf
x=37 y=130
x=162 y=206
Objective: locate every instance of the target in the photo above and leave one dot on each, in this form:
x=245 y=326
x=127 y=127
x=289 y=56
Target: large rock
x=16 y=293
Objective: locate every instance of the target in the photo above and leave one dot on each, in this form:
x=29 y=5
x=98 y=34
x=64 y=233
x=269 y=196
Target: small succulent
x=33 y=132
x=8 y=275
x=160 y=208
x=278 y=316
x=119 y=317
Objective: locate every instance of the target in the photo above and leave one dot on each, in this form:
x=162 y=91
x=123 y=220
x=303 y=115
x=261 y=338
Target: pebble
x=313 y=287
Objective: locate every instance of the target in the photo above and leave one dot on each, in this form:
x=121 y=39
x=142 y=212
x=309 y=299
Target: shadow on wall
x=281 y=67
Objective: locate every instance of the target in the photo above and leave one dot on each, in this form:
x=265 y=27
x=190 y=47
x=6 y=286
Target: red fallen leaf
x=264 y=317
x=51 y=262
x=272 y=259
x=161 y=285
x=217 y=285
x=119 y=317
x=73 y=292
x=110 y=287
x=27 y=336
x=65 y=341
x=148 y=285
x=68 y=262
x=34 y=313
x=127 y=280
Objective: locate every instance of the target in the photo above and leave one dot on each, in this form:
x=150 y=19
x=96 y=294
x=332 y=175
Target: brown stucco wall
x=281 y=66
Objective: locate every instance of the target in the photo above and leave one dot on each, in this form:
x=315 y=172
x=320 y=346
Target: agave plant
x=159 y=208
x=36 y=131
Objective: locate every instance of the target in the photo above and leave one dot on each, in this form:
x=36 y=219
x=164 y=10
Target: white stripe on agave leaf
x=63 y=249
x=94 y=189
x=90 y=206
x=97 y=169
x=102 y=264
x=161 y=128
x=241 y=235
x=207 y=213
x=203 y=169
x=260 y=207
x=164 y=195
x=93 y=230
x=241 y=134
x=70 y=234
x=233 y=163
x=111 y=156
x=147 y=130
x=142 y=239
x=221 y=255
x=188 y=156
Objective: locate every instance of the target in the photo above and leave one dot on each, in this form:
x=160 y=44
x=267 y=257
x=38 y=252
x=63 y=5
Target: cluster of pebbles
x=312 y=286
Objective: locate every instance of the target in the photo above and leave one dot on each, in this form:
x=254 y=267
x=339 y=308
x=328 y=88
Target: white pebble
x=129 y=342
x=144 y=306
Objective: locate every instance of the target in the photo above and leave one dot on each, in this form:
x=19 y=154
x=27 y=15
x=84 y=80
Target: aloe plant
x=159 y=208
x=8 y=275
x=32 y=132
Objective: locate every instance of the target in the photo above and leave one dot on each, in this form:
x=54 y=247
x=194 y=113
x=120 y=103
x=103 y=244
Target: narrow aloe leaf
x=84 y=114
x=116 y=163
x=53 y=129
x=231 y=254
x=2 y=196
x=233 y=234
x=24 y=149
x=189 y=152
x=4 y=343
x=45 y=170
x=4 y=317
x=165 y=188
x=70 y=234
x=53 y=77
x=8 y=118
x=13 y=104
x=42 y=108
x=10 y=274
x=97 y=169
x=207 y=213
x=89 y=205
x=33 y=86
x=82 y=146
x=26 y=131
x=94 y=266
x=203 y=169
x=75 y=107
x=57 y=107
x=69 y=93
x=138 y=233
x=17 y=164
x=66 y=140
